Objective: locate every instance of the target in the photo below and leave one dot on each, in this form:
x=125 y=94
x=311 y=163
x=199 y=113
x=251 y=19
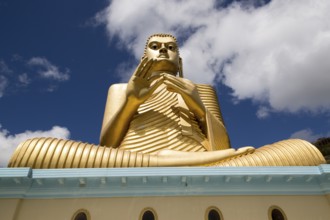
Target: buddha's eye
x=171 y=47
x=153 y=46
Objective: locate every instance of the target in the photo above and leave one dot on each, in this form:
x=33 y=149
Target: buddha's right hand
x=142 y=85
x=139 y=88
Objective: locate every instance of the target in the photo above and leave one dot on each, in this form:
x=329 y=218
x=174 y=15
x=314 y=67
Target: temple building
x=164 y=154
x=201 y=193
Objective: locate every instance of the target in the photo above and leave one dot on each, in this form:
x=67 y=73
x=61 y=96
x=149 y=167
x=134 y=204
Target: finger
x=146 y=68
x=153 y=78
x=156 y=84
x=150 y=72
x=179 y=79
x=139 y=68
x=172 y=87
x=140 y=82
x=176 y=81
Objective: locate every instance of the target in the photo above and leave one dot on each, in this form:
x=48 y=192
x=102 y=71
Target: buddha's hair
x=159 y=35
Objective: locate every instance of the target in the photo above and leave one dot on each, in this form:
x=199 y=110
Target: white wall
x=167 y=208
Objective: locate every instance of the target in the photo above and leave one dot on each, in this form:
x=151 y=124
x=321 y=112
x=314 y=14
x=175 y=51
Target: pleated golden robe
x=165 y=122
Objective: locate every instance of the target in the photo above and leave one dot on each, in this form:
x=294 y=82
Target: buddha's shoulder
x=205 y=87
x=118 y=86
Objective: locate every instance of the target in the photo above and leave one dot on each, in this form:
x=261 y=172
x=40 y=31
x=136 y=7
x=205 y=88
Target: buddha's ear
x=180 y=68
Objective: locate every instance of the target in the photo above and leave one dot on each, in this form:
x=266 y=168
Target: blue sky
x=268 y=62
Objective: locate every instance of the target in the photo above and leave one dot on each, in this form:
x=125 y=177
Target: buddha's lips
x=163 y=56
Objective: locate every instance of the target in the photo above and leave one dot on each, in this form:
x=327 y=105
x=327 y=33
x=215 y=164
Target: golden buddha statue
x=161 y=119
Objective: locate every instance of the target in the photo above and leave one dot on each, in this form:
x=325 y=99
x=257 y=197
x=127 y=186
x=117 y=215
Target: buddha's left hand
x=189 y=93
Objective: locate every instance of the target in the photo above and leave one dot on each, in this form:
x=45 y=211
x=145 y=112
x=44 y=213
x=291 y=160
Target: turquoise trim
x=172 y=181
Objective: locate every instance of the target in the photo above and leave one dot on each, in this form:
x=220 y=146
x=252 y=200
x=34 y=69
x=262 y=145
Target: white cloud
x=4 y=68
x=24 y=79
x=13 y=80
x=16 y=57
x=48 y=70
x=263 y=112
x=3 y=85
x=276 y=55
x=8 y=143
x=308 y=135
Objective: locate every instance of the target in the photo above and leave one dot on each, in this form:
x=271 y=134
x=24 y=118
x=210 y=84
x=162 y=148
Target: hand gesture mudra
x=188 y=91
x=141 y=86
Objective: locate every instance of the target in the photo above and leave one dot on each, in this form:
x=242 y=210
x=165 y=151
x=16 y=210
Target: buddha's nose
x=163 y=49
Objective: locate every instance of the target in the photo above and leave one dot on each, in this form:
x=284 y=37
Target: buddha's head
x=164 y=49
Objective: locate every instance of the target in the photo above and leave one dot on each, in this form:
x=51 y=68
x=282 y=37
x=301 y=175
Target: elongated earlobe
x=180 y=68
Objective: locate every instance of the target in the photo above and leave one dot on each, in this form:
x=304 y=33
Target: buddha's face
x=165 y=51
